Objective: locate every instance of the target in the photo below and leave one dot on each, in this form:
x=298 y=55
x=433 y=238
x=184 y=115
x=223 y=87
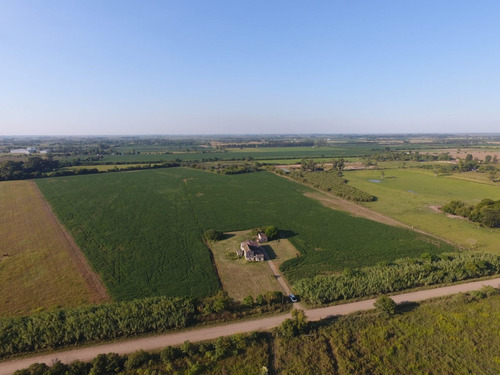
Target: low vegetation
x=416 y=339
x=398 y=275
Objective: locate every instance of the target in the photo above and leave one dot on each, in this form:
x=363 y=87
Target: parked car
x=292 y=298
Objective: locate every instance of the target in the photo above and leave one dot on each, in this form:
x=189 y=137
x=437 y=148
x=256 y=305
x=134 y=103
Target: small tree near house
x=271 y=232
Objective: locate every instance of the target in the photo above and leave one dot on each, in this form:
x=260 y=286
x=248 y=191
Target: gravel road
x=208 y=333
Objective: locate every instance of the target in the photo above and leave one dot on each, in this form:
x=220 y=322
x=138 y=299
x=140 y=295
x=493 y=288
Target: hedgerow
x=49 y=330
x=96 y=323
x=398 y=275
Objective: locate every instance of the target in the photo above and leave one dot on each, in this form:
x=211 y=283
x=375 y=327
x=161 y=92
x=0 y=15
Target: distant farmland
x=142 y=231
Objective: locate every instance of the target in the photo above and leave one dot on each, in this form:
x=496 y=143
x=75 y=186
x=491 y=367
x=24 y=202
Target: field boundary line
x=92 y=279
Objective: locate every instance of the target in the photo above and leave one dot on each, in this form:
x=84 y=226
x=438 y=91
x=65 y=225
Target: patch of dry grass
x=38 y=269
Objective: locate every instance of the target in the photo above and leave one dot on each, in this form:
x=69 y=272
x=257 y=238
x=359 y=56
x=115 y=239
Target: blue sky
x=204 y=67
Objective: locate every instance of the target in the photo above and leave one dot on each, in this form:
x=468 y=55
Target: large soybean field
x=142 y=231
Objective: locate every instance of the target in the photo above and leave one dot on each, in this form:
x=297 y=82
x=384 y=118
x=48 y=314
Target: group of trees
x=331 y=182
x=401 y=274
x=32 y=168
x=486 y=212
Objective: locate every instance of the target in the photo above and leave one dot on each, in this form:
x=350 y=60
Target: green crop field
x=413 y=195
x=142 y=231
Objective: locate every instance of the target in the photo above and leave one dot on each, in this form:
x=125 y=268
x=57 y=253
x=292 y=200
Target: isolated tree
x=385 y=306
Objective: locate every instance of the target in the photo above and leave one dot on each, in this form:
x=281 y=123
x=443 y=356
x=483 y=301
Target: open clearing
x=40 y=266
x=142 y=231
x=411 y=195
x=241 y=278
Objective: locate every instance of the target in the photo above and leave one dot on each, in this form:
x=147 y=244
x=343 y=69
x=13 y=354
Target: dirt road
x=156 y=342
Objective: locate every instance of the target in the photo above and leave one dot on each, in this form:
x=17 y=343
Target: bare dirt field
x=41 y=267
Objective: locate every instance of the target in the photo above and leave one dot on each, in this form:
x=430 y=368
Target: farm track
x=334 y=202
x=210 y=333
x=92 y=279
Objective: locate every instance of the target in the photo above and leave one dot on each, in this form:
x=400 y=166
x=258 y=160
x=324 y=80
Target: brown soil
x=98 y=292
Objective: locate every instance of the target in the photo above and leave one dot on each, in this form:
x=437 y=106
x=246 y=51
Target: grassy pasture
x=142 y=230
x=37 y=269
x=411 y=195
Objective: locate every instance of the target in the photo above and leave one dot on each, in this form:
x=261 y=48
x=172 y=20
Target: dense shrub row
x=332 y=182
x=486 y=212
x=99 y=323
x=95 y=323
x=399 y=275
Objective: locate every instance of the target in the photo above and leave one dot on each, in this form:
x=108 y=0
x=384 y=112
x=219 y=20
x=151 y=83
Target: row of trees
x=96 y=323
x=187 y=358
x=32 y=168
x=36 y=167
x=399 y=275
x=227 y=169
x=48 y=330
x=486 y=212
x=331 y=182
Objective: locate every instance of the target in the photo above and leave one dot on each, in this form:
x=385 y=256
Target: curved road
x=200 y=334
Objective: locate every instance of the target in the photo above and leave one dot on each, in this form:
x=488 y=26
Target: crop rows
x=142 y=231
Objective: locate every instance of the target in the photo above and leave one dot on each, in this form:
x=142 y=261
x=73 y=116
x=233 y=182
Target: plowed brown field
x=40 y=265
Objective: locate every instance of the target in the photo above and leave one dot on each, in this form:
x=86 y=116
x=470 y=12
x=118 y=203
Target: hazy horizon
x=235 y=68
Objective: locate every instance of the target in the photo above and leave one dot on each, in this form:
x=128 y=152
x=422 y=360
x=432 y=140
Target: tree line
x=59 y=328
x=37 y=167
x=399 y=275
x=486 y=212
